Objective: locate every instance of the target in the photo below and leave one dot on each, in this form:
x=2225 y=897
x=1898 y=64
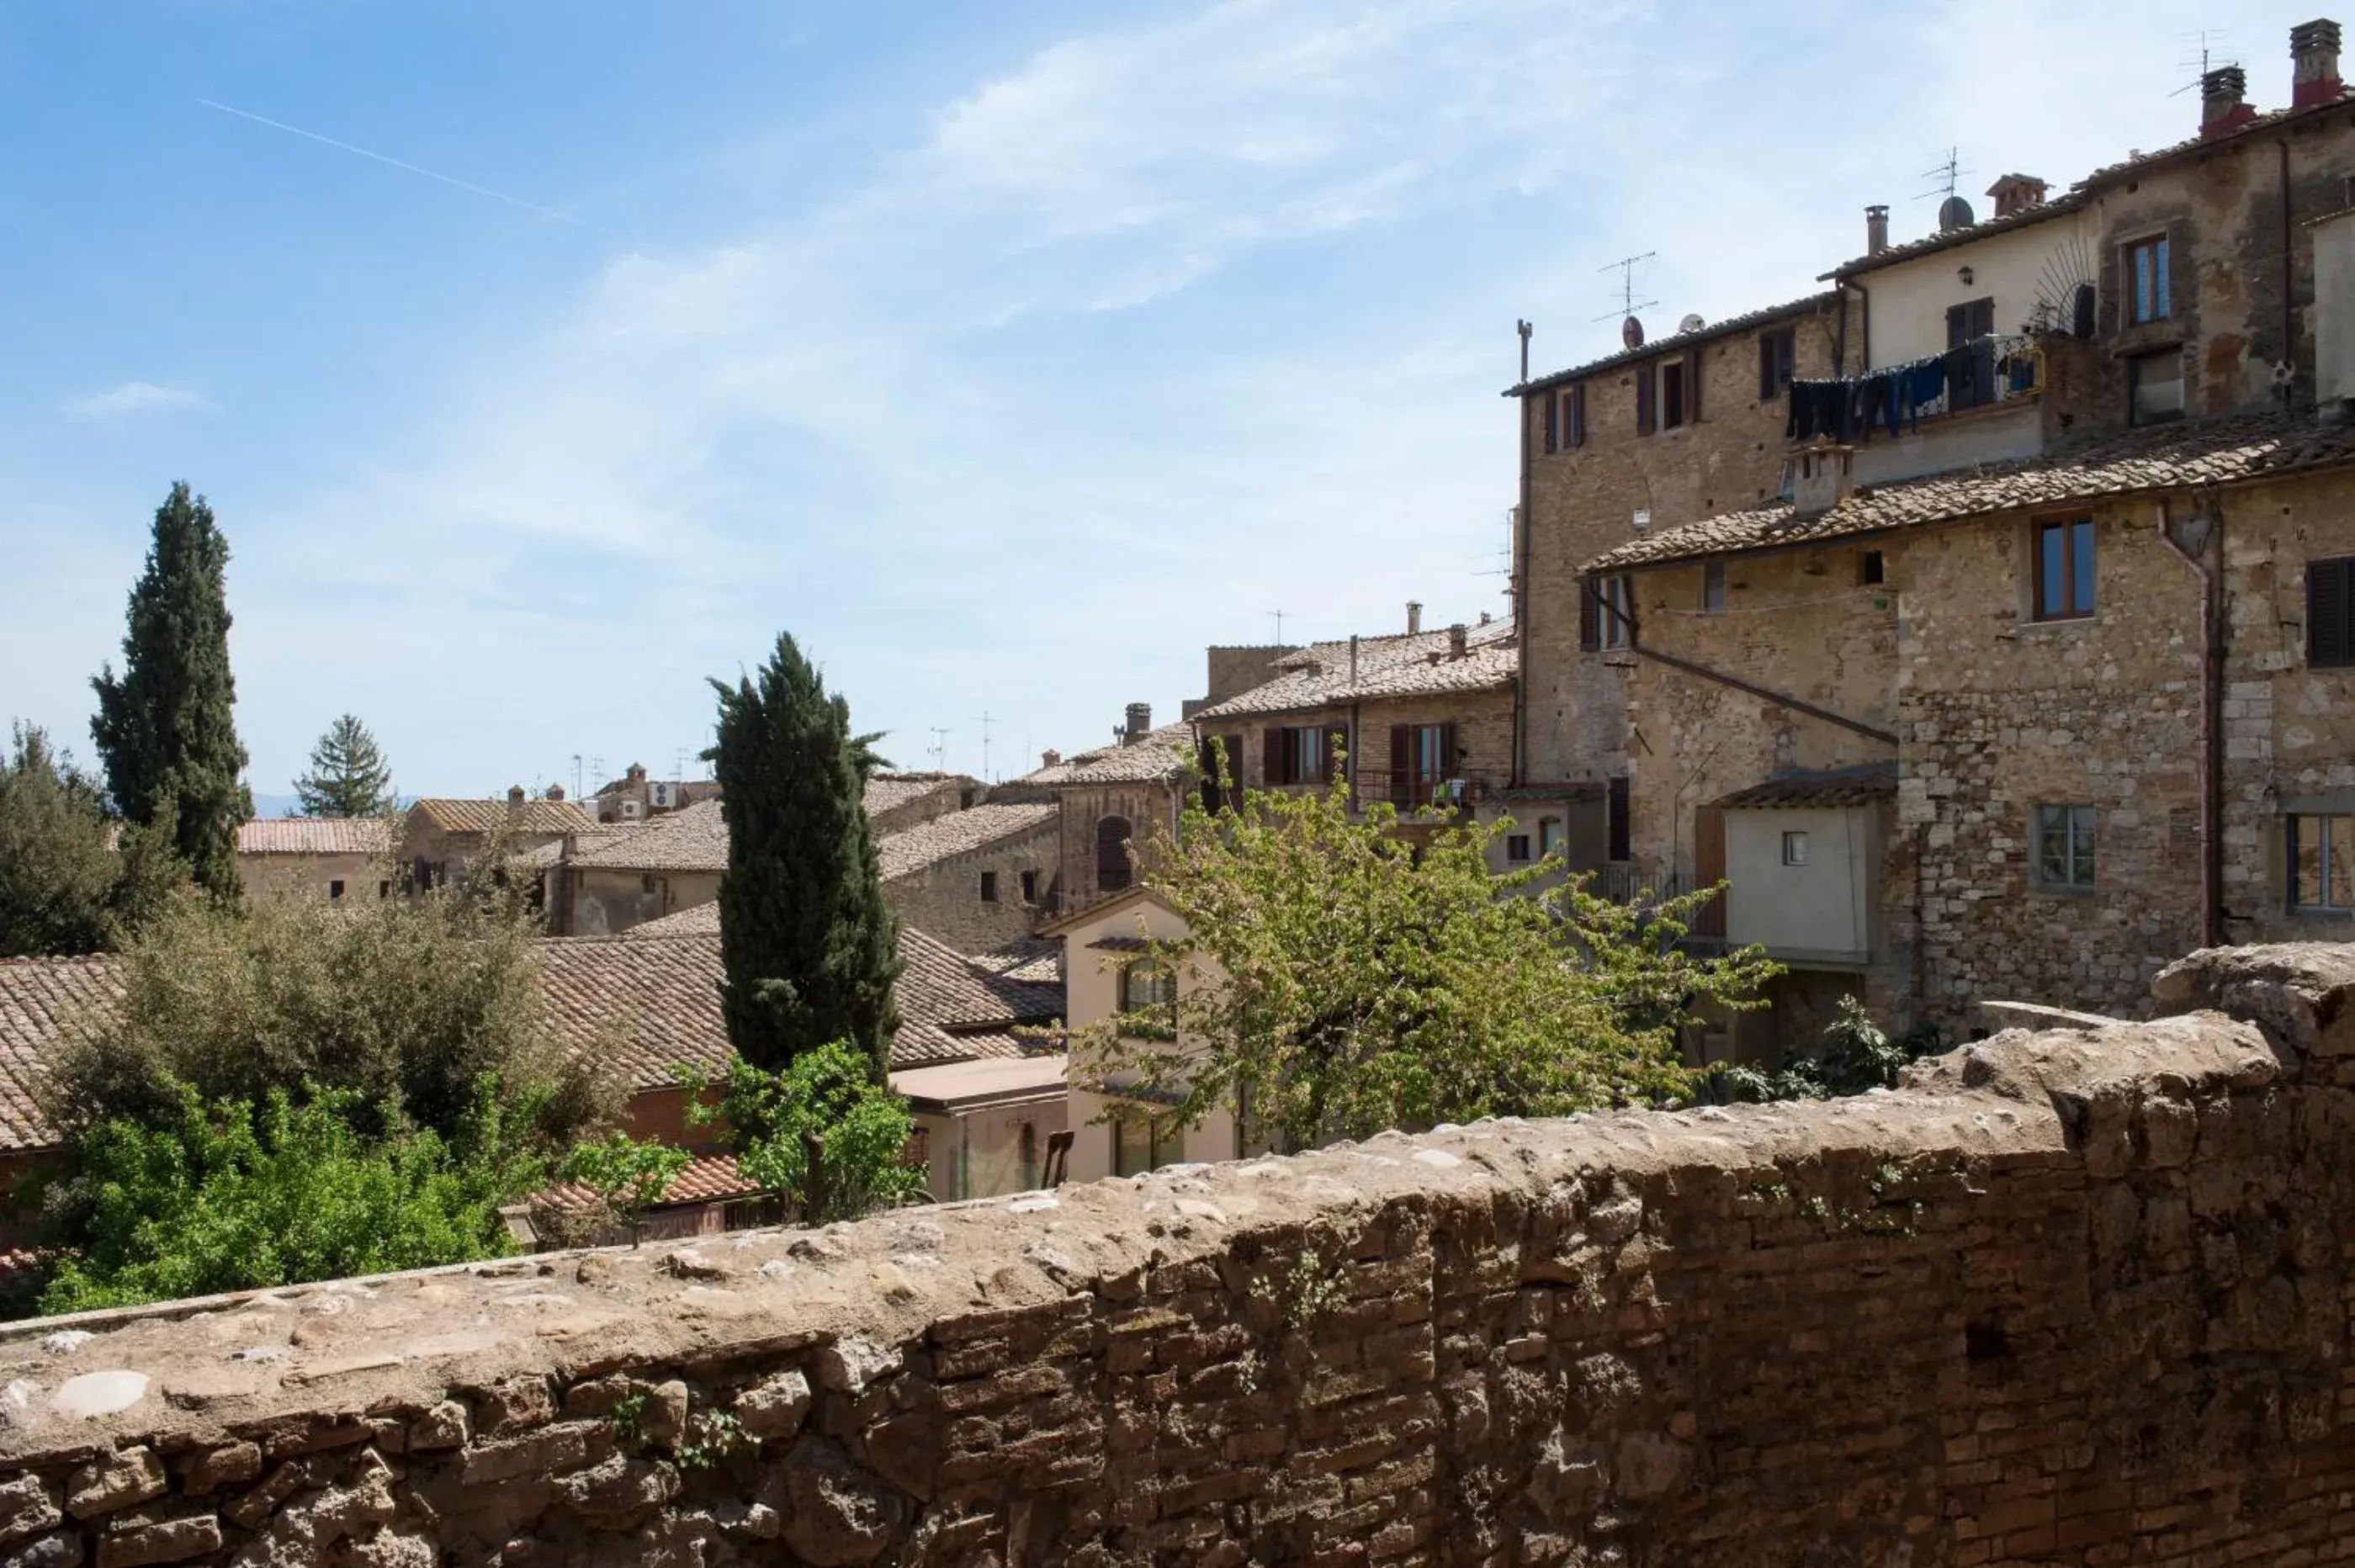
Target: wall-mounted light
x=1963 y=274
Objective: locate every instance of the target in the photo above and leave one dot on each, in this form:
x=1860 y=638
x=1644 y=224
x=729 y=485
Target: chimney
x=1050 y=757
x=2221 y=113
x=515 y=795
x=1825 y=477
x=637 y=773
x=1456 y=642
x=2313 y=64
x=1353 y=660
x=1414 y=616
x=1875 y=230
x=2016 y=193
x=556 y=792
x=1140 y=720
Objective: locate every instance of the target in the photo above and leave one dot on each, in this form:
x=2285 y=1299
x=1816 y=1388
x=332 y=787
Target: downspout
x=1520 y=592
x=1765 y=694
x=2288 y=277
x=2212 y=713
x=1864 y=330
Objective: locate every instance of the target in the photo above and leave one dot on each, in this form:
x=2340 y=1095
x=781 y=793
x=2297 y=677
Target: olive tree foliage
x=72 y=880
x=1344 y=972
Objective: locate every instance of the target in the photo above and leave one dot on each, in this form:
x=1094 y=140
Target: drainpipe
x=1521 y=531
x=2212 y=713
x=2288 y=277
x=1863 y=331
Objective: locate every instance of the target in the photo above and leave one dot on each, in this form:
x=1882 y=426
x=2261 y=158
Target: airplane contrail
x=396 y=163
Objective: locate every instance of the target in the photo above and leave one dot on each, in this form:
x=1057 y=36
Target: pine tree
x=809 y=947
x=166 y=728
x=348 y=776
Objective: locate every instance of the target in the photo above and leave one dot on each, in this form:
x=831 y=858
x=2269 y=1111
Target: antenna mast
x=1626 y=267
x=985 y=721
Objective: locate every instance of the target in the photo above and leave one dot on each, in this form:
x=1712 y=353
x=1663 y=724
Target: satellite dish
x=1631 y=333
x=1955 y=213
x=1691 y=324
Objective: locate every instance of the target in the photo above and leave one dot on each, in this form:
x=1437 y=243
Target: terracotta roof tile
x=2167 y=457
x=313 y=836
x=534 y=817
x=1946 y=239
x=1844 y=786
x=1676 y=342
x=701 y=920
x=705 y=1179
x=42 y=1001
x=1158 y=754
x=889 y=791
x=1410 y=665
x=959 y=833
x=695 y=839
x=1038 y=959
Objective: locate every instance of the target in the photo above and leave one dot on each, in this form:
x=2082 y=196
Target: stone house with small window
x=1111 y=799
x=334 y=857
x=603 y=884
x=440 y=836
x=976 y=879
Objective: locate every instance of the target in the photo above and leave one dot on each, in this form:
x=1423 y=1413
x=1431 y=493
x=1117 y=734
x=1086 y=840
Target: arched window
x=1112 y=854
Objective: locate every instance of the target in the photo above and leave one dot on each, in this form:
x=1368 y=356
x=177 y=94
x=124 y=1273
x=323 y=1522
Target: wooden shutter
x=1553 y=422
x=1767 y=352
x=1448 y=769
x=1958 y=322
x=2330 y=612
x=1619 y=840
x=1401 y=763
x=1336 y=738
x=1708 y=866
x=1272 y=757
x=1692 y=386
x=1647 y=385
x=1982 y=318
x=1590 y=617
x=1578 y=415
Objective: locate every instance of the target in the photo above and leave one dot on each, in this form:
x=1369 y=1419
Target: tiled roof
x=1157 y=754
x=701 y=920
x=2141 y=162
x=458 y=814
x=1410 y=665
x=1946 y=239
x=889 y=791
x=1038 y=959
x=695 y=839
x=1845 y=786
x=1676 y=342
x=540 y=856
x=953 y=1009
x=313 y=836
x=959 y=833
x=2215 y=452
x=41 y=1001
x=703 y=1180
x=641 y=1006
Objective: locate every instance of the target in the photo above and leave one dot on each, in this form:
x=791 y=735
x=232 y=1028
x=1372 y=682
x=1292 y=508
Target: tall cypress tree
x=809 y=947
x=166 y=728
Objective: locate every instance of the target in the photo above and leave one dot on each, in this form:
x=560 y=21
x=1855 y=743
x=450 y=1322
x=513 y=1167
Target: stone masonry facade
x=2071 y=1297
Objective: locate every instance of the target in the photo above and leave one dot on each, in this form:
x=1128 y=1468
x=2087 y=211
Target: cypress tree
x=808 y=945
x=166 y=728
x=348 y=776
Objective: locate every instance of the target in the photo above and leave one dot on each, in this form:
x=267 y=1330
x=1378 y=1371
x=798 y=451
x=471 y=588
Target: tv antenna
x=939 y=749
x=1946 y=177
x=986 y=720
x=2202 y=49
x=1629 y=303
x=1279 y=627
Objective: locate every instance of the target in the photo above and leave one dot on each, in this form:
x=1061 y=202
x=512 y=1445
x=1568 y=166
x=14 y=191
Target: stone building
x=1110 y=798
x=326 y=857
x=2057 y=665
x=441 y=835
x=633 y=798
x=603 y=885
x=976 y=879
x=1421 y=719
x=899 y=801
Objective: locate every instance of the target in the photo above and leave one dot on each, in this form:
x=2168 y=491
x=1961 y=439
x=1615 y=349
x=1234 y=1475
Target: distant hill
x=277 y=805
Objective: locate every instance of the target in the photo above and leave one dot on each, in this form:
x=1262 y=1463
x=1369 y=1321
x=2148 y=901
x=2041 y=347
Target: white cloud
x=135 y=398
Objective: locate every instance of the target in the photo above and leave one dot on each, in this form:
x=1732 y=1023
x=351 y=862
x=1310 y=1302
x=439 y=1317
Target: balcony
x=1622 y=883
x=1897 y=400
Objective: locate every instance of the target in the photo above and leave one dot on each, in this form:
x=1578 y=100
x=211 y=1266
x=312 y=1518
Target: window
x=384 y=890
x=1112 y=854
x=2330 y=612
x=2064 y=846
x=2064 y=569
x=1303 y=753
x=1030 y=886
x=1148 y=995
x=1421 y=757
x=1517 y=847
x=1141 y=1143
x=1778 y=356
x=1713 y=586
x=1553 y=432
x=1869 y=567
x=2322 y=863
x=1794 y=849
x=2150 y=294
x=1549 y=835
x=2154 y=386
x=1969 y=322
x=989 y=887
x=1565 y=419
x=1672 y=394
x=1646 y=385
x=1618 y=830
x=335 y=890
x=1618 y=611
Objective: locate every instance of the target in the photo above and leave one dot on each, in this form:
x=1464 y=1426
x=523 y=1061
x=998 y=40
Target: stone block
x=113 y=1481
x=171 y=1540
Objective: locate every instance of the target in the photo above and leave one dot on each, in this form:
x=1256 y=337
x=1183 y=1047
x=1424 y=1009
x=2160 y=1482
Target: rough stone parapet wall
x=2076 y=1297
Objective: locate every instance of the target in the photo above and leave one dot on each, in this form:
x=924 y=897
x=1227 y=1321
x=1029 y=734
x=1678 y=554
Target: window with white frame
x=2322 y=863
x=2064 y=846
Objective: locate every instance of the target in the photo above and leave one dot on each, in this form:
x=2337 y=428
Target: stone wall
x=943 y=898
x=2077 y=1297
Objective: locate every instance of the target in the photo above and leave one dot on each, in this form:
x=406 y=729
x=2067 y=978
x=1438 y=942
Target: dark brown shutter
x=1708 y=866
x=1272 y=757
x=1766 y=353
x=1447 y=751
x=1692 y=386
x=2330 y=612
x=1590 y=617
x=1646 y=384
x=1958 y=324
x=1337 y=738
x=1552 y=422
x=1578 y=415
x=1617 y=828
x=1401 y=763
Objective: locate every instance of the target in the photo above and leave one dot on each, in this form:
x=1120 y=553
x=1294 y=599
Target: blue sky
x=1006 y=355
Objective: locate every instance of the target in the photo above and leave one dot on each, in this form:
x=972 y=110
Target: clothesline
x=1848 y=408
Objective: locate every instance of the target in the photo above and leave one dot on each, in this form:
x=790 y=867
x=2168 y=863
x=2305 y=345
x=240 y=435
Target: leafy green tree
x=1345 y=973
x=1854 y=1054
x=628 y=1175
x=166 y=728
x=809 y=947
x=826 y=1101
x=408 y=1005
x=71 y=880
x=235 y=1196
x=348 y=774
